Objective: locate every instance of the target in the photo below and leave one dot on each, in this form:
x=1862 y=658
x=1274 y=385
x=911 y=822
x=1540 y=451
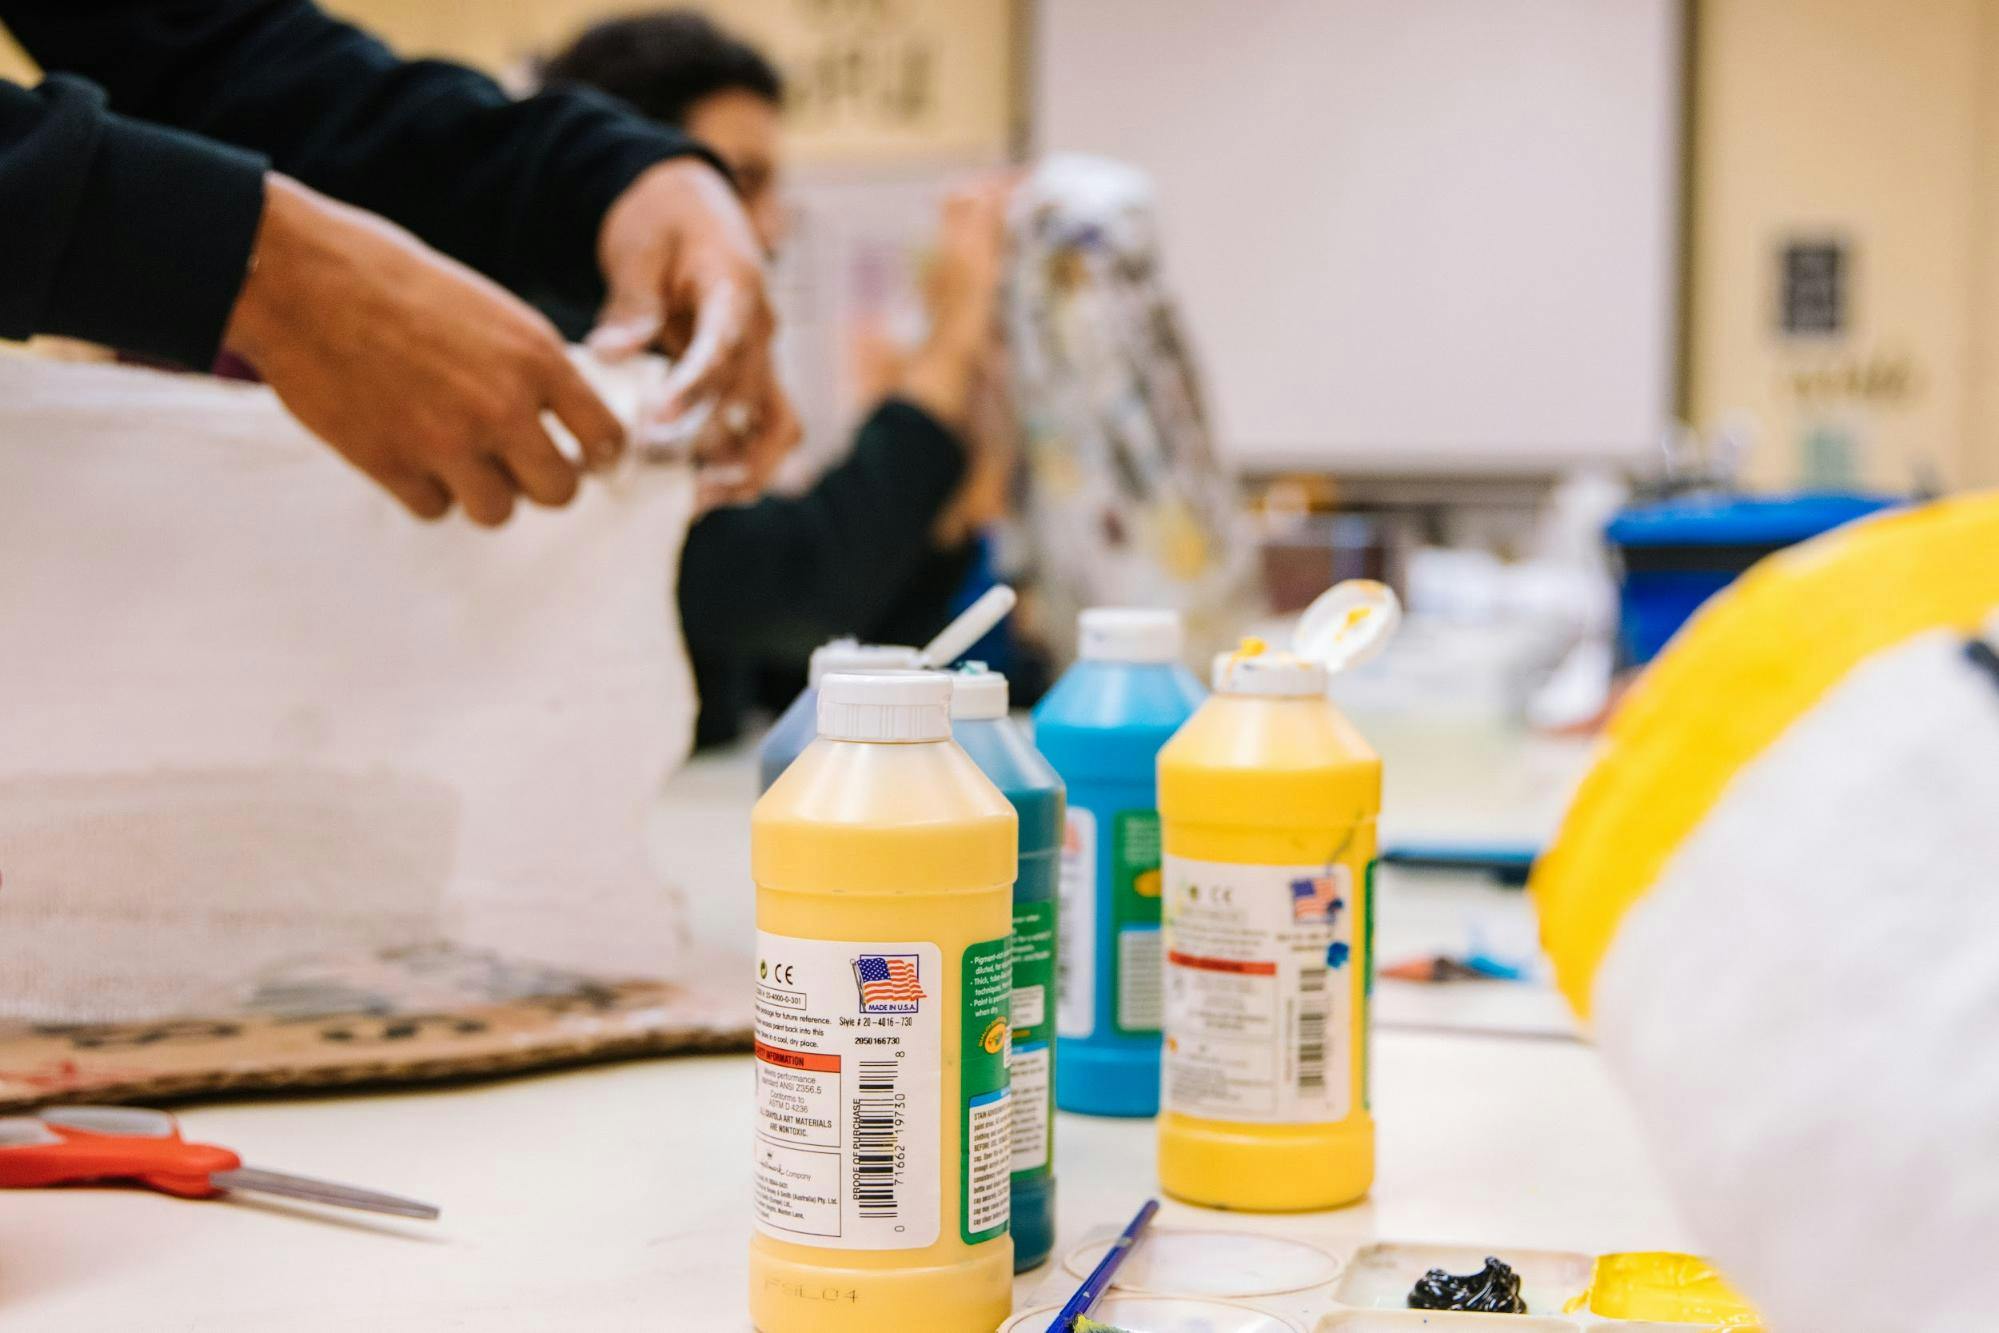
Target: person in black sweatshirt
x=880 y=544
x=253 y=175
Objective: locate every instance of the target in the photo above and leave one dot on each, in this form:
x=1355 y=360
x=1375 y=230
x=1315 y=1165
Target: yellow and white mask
x=1776 y=899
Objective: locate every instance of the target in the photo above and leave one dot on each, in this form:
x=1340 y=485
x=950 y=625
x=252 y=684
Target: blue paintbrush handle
x=1100 y=1277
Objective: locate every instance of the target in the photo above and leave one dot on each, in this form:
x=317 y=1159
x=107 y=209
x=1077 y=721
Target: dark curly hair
x=663 y=63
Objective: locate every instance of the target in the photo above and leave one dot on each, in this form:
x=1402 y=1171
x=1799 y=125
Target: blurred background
x=1457 y=279
x=1553 y=315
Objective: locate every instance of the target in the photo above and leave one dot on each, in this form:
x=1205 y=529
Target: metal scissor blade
x=319 y=1191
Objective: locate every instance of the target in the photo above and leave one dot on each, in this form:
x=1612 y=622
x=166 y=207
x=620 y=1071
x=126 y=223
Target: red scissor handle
x=64 y=1155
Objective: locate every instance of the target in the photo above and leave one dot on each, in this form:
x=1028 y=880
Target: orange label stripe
x=1236 y=966
x=777 y=1055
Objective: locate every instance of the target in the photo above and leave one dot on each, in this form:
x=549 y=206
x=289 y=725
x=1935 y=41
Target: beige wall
x=873 y=80
x=1981 y=453
x=1879 y=124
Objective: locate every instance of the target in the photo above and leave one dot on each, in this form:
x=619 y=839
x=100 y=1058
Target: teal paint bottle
x=979 y=723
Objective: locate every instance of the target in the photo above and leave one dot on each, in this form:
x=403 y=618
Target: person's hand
x=682 y=271
x=423 y=374
x=961 y=289
x=989 y=432
x=959 y=375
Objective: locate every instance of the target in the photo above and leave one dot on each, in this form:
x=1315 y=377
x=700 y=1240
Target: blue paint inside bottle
x=1101 y=727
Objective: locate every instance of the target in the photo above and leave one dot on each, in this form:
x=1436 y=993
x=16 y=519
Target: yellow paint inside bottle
x=883 y=856
x=1267 y=800
x=1669 y=1288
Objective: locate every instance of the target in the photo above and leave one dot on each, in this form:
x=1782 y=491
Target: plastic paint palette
x=1399 y=1321
x=1379 y=1276
x=1202 y=1280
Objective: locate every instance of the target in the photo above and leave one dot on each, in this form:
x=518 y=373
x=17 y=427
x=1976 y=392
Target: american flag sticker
x=1317 y=898
x=888 y=983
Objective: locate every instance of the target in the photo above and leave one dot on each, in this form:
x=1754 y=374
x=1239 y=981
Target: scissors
x=63 y=1145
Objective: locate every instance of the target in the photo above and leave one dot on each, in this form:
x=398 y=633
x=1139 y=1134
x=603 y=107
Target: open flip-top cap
x=1348 y=624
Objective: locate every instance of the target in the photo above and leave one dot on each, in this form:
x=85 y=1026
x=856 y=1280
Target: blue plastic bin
x=1675 y=554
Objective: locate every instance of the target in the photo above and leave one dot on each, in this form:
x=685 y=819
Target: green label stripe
x=1367 y=984
x=1135 y=868
x=984 y=1152
x=1135 y=883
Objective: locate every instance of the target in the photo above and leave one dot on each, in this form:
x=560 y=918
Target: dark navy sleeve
x=515 y=189
x=117 y=231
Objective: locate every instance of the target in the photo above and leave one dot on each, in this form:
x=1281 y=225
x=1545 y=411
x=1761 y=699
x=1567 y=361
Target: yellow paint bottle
x=1267 y=802
x=884 y=862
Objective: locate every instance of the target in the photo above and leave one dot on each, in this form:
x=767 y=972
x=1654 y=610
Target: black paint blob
x=1494 y=1289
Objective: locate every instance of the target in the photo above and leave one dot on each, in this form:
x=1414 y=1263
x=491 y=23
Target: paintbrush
x=1075 y=1315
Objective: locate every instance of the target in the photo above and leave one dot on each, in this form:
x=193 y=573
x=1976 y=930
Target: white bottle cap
x=891 y=706
x=852 y=655
x=977 y=692
x=1250 y=670
x=1128 y=634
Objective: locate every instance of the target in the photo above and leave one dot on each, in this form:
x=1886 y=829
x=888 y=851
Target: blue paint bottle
x=1101 y=727
x=979 y=723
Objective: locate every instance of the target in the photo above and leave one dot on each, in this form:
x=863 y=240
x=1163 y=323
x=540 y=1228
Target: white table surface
x=617 y=1198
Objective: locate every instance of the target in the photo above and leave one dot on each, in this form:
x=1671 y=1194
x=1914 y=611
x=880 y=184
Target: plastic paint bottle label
x=1076 y=959
x=849 y=1088
x=1135 y=917
x=1030 y=1072
x=1031 y=1065
x=1257 y=967
x=985 y=1171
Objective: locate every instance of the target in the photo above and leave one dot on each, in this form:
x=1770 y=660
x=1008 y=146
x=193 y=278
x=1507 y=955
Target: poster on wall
x=1812 y=288
x=870 y=80
x=875 y=80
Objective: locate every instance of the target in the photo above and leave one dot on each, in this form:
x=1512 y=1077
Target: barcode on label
x=1313 y=1007
x=877 y=1139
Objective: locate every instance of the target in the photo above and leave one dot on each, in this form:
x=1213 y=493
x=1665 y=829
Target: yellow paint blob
x=1672 y=1288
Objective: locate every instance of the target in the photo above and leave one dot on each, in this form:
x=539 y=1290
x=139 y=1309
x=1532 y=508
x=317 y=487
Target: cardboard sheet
x=413 y=1015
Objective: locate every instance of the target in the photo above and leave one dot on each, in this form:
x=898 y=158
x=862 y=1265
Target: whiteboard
x=1410 y=235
